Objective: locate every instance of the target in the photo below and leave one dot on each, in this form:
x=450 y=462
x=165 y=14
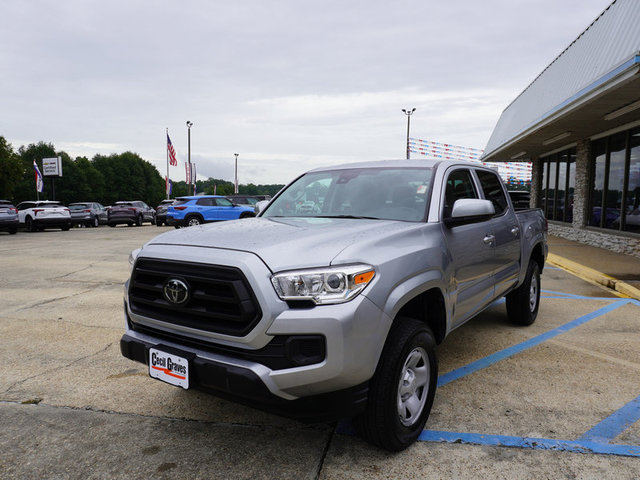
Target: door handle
x=488 y=239
x=515 y=231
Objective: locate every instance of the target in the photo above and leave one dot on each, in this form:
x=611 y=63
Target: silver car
x=8 y=217
x=88 y=214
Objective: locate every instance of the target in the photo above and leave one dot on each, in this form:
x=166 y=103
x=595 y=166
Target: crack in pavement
x=52 y=300
x=57 y=368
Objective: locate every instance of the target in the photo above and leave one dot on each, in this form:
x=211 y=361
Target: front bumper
x=243 y=385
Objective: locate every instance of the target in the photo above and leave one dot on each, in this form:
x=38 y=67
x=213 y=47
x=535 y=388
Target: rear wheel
x=158 y=223
x=193 y=221
x=65 y=228
x=96 y=221
x=524 y=301
x=13 y=230
x=29 y=225
x=402 y=389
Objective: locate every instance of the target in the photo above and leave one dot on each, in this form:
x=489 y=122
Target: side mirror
x=470 y=210
x=260 y=206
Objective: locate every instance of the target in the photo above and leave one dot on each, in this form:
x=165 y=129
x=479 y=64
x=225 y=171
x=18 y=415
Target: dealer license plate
x=169 y=368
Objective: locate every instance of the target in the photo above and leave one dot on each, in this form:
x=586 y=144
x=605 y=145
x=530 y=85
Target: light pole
x=189 y=124
x=235 y=189
x=408 y=113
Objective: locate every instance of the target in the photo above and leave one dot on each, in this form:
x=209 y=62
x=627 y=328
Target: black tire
x=139 y=220
x=193 y=221
x=158 y=223
x=112 y=225
x=96 y=222
x=524 y=301
x=247 y=215
x=13 y=230
x=66 y=228
x=402 y=389
x=29 y=224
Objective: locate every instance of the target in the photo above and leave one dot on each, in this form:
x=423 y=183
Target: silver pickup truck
x=330 y=303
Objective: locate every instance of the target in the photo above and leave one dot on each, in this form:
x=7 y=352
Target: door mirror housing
x=260 y=206
x=470 y=210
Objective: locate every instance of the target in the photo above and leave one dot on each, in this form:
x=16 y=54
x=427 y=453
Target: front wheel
x=139 y=221
x=402 y=389
x=524 y=301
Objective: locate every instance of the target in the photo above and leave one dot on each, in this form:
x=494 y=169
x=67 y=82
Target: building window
x=615 y=184
x=558 y=185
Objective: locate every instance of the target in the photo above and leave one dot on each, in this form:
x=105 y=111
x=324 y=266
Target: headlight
x=323 y=285
x=132 y=258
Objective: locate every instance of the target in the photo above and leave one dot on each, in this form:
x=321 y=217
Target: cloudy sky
x=289 y=85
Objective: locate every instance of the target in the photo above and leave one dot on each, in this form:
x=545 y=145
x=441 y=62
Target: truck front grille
x=220 y=298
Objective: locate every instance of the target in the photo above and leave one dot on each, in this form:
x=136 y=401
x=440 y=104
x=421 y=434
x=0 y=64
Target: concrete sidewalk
x=617 y=271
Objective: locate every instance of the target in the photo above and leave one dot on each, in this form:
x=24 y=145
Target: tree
x=129 y=177
x=26 y=187
x=10 y=170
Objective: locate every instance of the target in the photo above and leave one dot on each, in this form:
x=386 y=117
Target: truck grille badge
x=176 y=291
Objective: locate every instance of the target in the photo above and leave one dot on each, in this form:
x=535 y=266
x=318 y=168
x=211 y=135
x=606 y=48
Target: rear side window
x=205 y=202
x=492 y=188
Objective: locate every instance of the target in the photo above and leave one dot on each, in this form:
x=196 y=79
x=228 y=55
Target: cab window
x=459 y=185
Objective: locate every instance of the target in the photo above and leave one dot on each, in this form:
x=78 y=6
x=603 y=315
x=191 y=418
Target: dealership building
x=578 y=122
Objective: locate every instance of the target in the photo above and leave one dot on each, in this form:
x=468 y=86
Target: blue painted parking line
x=511 y=351
x=595 y=441
x=529 y=442
x=614 y=424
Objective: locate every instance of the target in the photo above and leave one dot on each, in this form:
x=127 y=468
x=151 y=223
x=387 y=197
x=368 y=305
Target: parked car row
x=182 y=212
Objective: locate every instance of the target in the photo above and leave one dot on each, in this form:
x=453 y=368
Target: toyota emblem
x=176 y=291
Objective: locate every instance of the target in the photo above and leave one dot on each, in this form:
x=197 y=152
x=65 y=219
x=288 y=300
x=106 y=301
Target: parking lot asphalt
x=558 y=399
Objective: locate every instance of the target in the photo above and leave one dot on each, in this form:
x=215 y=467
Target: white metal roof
x=608 y=48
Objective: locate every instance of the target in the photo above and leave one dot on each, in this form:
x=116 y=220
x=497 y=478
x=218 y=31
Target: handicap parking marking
x=596 y=440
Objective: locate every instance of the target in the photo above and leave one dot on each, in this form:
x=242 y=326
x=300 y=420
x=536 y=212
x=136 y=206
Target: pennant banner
x=511 y=172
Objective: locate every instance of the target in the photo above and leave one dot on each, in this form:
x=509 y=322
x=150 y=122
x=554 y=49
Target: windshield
x=381 y=193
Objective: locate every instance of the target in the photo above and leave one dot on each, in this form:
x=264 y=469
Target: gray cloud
x=289 y=85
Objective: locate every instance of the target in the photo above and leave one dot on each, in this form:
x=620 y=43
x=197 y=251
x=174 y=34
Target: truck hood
x=284 y=243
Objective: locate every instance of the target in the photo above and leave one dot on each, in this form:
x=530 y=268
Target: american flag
x=172 y=153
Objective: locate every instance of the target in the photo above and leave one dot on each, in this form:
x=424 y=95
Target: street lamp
x=408 y=113
x=235 y=189
x=189 y=124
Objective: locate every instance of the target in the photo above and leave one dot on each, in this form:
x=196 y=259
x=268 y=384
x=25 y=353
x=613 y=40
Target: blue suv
x=189 y=211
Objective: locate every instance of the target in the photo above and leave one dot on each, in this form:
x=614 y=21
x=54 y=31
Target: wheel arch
x=194 y=215
x=429 y=308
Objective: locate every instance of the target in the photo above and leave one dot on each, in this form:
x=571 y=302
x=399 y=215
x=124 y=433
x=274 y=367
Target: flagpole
x=166 y=180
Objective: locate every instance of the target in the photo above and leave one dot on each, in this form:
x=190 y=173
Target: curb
x=592 y=275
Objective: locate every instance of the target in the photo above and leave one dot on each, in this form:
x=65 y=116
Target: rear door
x=469 y=249
x=505 y=228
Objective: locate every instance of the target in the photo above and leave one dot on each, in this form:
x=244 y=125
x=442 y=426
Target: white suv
x=38 y=215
